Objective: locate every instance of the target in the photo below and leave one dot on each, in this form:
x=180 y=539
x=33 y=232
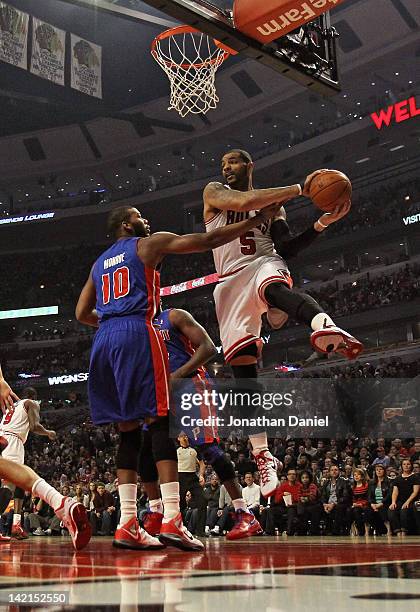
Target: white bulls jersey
x=16 y=421
x=243 y=250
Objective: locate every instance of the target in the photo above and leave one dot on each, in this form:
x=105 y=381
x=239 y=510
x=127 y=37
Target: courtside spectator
x=360 y=503
x=405 y=491
x=309 y=508
x=336 y=496
x=252 y=494
x=379 y=497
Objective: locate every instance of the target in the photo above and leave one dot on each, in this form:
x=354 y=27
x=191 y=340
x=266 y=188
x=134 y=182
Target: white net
x=190 y=60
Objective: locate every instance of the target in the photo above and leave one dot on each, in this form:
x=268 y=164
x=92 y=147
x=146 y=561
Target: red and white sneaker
x=132 y=536
x=175 y=534
x=75 y=519
x=332 y=339
x=246 y=525
x=267 y=466
x=3 y=443
x=152 y=522
x=4 y=538
x=18 y=533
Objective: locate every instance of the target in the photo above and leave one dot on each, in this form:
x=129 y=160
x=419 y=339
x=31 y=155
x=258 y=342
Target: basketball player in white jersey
x=18 y=420
x=254 y=278
x=71 y=513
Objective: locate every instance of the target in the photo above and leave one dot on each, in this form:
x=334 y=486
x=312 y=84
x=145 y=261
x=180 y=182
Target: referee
x=188 y=481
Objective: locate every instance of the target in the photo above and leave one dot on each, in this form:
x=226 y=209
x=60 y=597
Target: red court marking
x=53 y=560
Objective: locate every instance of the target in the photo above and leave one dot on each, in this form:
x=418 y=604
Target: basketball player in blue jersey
x=189 y=348
x=129 y=370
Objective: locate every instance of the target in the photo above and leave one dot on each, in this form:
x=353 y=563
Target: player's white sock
x=47 y=493
x=320 y=320
x=259 y=442
x=16 y=519
x=156 y=505
x=128 y=501
x=239 y=504
x=170 y=500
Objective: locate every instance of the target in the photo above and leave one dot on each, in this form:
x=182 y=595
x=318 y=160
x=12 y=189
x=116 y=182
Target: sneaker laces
x=263 y=468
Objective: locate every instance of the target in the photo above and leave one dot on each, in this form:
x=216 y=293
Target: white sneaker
x=216 y=530
x=333 y=339
x=75 y=519
x=38 y=532
x=276 y=318
x=48 y=532
x=267 y=467
x=207 y=530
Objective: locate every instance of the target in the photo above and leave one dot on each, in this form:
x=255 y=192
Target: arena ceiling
x=133 y=81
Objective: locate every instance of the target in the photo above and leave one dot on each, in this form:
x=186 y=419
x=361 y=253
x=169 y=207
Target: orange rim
x=186 y=29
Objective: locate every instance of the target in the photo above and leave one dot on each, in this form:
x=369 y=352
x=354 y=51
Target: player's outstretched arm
x=217 y=196
x=152 y=250
x=7 y=396
x=199 y=338
x=287 y=245
x=85 y=308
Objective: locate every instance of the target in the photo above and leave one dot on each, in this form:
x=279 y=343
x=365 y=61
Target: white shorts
x=239 y=300
x=15 y=449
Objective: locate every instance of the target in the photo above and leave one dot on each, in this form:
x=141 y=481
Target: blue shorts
x=128 y=372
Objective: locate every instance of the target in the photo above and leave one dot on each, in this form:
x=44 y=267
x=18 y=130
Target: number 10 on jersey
x=117 y=284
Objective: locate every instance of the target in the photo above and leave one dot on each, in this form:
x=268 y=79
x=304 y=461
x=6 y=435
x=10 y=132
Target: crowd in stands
x=402 y=285
x=339 y=487
x=369 y=293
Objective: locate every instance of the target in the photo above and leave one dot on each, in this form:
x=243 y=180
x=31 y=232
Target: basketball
x=329 y=189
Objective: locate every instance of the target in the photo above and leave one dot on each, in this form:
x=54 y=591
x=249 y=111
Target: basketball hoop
x=190 y=59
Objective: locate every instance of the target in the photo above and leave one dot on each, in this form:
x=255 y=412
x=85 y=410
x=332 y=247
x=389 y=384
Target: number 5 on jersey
x=118 y=284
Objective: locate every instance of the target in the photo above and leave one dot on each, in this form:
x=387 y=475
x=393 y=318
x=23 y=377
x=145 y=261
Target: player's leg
x=246 y=524
x=71 y=513
x=17 y=530
x=152 y=520
x=164 y=454
x=267 y=464
x=238 y=313
x=15 y=451
x=128 y=533
x=141 y=373
x=326 y=336
x=115 y=396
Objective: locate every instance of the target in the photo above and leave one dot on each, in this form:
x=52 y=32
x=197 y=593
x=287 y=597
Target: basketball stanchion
x=190 y=59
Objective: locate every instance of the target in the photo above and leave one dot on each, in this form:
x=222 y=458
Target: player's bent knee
x=129 y=449
x=214 y=455
x=301 y=306
x=163 y=447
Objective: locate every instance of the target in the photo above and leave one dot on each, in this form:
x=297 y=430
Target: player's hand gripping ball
x=329 y=189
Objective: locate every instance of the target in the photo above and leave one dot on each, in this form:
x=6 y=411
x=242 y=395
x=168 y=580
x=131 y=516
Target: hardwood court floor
x=271 y=574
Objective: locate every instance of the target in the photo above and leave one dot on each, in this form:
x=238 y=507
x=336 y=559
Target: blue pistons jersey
x=180 y=351
x=124 y=285
x=179 y=347
x=129 y=369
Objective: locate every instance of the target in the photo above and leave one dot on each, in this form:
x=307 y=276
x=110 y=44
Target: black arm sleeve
x=288 y=245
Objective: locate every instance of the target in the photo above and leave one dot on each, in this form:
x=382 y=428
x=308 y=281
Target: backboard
x=306 y=55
